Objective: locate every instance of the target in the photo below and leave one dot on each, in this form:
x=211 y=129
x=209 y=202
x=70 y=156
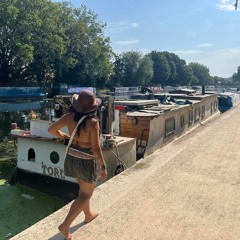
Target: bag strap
x=74 y=131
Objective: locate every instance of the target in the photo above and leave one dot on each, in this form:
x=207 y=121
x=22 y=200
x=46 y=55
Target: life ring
x=119 y=169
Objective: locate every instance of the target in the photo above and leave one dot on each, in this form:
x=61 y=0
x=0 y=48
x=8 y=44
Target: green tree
x=90 y=51
x=185 y=74
x=15 y=48
x=161 y=68
x=201 y=74
x=30 y=40
x=118 y=69
x=181 y=73
x=48 y=41
x=42 y=41
x=171 y=58
x=236 y=77
x=145 y=71
x=130 y=67
x=137 y=69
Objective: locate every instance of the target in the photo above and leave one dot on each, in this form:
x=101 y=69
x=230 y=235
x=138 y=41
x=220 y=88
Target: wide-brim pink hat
x=85 y=101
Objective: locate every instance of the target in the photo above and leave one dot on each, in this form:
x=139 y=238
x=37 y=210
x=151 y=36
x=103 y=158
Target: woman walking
x=89 y=158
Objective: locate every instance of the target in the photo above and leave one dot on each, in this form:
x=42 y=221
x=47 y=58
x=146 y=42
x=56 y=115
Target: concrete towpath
x=189 y=189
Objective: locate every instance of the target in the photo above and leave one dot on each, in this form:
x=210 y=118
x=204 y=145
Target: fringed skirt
x=76 y=167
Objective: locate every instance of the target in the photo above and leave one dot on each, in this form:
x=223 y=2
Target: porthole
x=54 y=157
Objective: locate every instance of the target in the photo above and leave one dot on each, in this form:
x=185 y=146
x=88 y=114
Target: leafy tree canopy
x=42 y=41
x=236 y=77
x=135 y=69
x=201 y=74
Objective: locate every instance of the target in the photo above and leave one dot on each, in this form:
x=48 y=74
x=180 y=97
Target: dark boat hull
x=62 y=189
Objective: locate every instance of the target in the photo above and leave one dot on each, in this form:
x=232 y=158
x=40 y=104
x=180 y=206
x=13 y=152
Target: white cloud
x=221 y=63
x=205 y=45
x=126 y=42
x=229 y=53
x=188 y=52
x=134 y=25
x=121 y=26
x=226 y=5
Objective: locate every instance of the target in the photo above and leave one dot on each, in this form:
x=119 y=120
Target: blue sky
x=205 y=31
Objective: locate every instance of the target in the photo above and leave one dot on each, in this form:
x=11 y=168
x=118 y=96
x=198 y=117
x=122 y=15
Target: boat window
x=197 y=113
x=54 y=157
x=215 y=106
x=169 y=126
x=190 y=116
x=203 y=111
x=223 y=102
x=31 y=155
x=182 y=120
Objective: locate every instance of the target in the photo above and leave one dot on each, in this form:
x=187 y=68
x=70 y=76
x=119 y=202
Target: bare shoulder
x=92 y=122
x=60 y=123
x=68 y=116
x=66 y=119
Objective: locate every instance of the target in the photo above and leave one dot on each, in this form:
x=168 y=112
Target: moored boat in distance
x=227 y=100
x=8 y=94
x=124 y=92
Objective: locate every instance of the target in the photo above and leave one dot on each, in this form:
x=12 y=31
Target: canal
x=20 y=207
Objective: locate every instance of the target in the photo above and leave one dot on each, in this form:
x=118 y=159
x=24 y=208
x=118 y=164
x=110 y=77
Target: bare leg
x=86 y=191
x=89 y=214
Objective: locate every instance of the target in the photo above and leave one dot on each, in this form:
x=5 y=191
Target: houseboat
x=40 y=160
x=21 y=98
x=131 y=129
x=157 y=121
x=8 y=94
x=124 y=92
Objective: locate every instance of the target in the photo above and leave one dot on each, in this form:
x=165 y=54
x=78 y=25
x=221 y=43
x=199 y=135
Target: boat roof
x=159 y=109
x=184 y=96
x=227 y=94
x=183 y=91
x=144 y=113
x=133 y=102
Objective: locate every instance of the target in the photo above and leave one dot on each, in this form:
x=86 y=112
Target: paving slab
x=189 y=189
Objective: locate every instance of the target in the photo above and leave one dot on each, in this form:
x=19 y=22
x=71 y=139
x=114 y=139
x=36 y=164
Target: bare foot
x=89 y=218
x=65 y=232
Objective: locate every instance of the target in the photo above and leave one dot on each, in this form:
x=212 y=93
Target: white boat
x=40 y=160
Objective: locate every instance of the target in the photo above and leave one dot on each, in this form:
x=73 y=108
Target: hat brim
x=77 y=107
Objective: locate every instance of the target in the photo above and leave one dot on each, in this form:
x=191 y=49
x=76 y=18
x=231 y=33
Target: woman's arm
x=55 y=127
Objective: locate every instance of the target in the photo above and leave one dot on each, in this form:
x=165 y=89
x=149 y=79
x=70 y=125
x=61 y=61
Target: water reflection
x=22 y=207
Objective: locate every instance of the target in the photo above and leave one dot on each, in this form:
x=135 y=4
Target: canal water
x=20 y=207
